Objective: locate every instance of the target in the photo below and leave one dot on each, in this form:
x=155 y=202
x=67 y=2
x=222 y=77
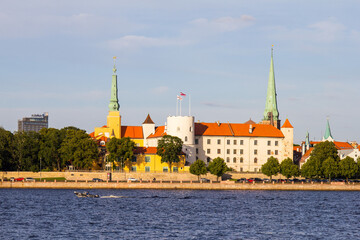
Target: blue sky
x=57 y=57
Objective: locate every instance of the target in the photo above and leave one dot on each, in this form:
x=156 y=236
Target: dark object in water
x=85 y=194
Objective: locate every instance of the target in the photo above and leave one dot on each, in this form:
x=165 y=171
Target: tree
x=289 y=169
x=6 y=156
x=78 y=149
x=312 y=168
x=50 y=145
x=120 y=150
x=271 y=167
x=26 y=151
x=218 y=167
x=330 y=168
x=169 y=148
x=348 y=167
x=321 y=152
x=198 y=168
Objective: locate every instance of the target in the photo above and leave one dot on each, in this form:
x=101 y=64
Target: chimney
x=250 y=129
x=218 y=123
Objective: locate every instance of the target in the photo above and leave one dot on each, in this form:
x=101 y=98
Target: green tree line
x=51 y=149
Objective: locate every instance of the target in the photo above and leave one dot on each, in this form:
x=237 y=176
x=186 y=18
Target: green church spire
x=327 y=135
x=114 y=102
x=307 y=139
x=271 y=102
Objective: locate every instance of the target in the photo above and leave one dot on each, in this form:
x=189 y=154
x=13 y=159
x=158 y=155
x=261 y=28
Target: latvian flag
x=182 y=94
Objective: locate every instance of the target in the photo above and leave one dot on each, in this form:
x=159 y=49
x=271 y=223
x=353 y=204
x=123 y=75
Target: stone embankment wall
x=121 y=176
x=188 y=185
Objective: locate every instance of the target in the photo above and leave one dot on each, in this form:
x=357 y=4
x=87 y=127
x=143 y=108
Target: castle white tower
x=183 y=127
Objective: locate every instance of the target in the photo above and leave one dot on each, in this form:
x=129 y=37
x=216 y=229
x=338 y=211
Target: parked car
x=132 y=179
x=18 y=179
x=242 y=180
x=257 y=180
x=204 y=180
x=97 y=180
x=29 y=179
x=266 y=180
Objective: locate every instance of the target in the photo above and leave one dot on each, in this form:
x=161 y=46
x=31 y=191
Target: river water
x=167 y=214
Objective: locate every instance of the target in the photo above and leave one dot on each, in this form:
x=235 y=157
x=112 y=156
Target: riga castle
x=245 y=147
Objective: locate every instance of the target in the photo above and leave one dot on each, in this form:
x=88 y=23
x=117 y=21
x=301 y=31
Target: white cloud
x=160 y=90
x=223 y=24
x=135 y=42
x=329 y=30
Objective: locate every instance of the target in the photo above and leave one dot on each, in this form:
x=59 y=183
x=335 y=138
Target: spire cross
x=114 y=69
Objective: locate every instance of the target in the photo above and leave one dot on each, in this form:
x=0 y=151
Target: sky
x=57 y=57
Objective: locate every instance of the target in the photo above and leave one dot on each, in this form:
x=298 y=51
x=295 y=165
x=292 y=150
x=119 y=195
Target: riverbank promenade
x=186 y=185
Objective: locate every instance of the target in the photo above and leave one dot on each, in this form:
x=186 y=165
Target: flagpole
x=180 y=107
x=177 y=102
x=189 y=105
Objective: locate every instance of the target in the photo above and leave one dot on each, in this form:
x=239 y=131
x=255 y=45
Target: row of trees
x=216 y=167
x=50 y=149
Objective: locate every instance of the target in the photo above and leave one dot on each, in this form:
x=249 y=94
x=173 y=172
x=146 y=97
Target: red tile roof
x=297 y=148
x=287 y=124
x=306 y=155
x=338 y=145
x=132 y=132
x=236 y=129
x=250 y=122
x=159 y=132
x=145 y=150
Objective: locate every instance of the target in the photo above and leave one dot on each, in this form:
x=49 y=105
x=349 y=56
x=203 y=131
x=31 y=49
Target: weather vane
x=114 y=69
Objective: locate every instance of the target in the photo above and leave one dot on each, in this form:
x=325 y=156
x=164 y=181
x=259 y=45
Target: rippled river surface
x=166 y=214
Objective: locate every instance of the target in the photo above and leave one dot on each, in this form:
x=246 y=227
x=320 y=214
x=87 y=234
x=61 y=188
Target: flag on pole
x=182 y=94
x=179 y=98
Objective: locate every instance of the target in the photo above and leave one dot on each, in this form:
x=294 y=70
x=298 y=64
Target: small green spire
x=114 y=102
x=271 y=102
x=327 y=134
x=307 y=139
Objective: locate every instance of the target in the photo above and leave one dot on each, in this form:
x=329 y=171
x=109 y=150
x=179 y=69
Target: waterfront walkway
x=188 y=185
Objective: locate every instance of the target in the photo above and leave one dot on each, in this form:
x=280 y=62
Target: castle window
x=255 y=142
x=227 y=159
x=235 y=142
x=228 y=142
x=196 y=141
x=186 y=138
x=234 y=151
x=255 y=160
x=269 y=143
x=276 y=152
x=175 y=169
x=190 y=129
x=197 y=151
x=209 y=141
x=208 y=151
x=255 y=151
x=241 y=160
x=147 y=169
x=227 y=151
x=219 y=141
x=241 y=142
x=269 y=152
x=147 y=158
x=241 y=169
x=241 y=151
x=234 y=160
x=165 y=169
x=276 y=143
x=133 y=169
x=219 y=151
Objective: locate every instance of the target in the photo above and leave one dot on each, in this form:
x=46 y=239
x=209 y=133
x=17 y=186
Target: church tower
x=271 y=113
x=113 y=127
x=327 y=136
x=114 y=118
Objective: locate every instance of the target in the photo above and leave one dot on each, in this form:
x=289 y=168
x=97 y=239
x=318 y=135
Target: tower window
x=219 y=151
x=255 y=142
x=269 y=152
x=186 y=138
x=196 y=141
x=234 y=151
x=208 y=151
x=241 y=151
x=227 y=159
x=241 y=160
x=276 y=152
x=255 y=151
x=255 y=160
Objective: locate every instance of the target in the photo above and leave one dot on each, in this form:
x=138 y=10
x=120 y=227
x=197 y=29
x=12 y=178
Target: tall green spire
x=327 y=135
x=307 y=139
x=114 y=102
x=271 y=102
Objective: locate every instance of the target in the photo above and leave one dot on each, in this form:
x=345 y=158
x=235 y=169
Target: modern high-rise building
x=34 y=123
